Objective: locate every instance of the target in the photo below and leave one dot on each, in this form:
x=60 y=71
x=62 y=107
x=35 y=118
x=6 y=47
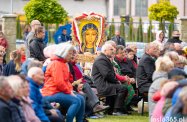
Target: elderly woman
x=163 y=66
x=29 y=113
x=57 y=86
x=16 y=84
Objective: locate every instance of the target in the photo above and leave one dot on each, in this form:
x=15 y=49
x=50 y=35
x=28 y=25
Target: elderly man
x=105 y=80
x=36 y=78
x=6 y=93
x=146 y=67
x=34 y=24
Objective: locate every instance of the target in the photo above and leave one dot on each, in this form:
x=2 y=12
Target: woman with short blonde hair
x=173 y=56
x=163 y=66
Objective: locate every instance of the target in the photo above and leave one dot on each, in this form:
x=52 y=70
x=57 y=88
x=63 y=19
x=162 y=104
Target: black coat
x=5 y=112
x=126 y=67
x=118 y=40
x=36 y=47
x=10 y=69
x=104 y=76
x=144 y=72
x=174 y=40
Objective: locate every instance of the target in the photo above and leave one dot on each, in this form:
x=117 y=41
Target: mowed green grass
x=135 y=117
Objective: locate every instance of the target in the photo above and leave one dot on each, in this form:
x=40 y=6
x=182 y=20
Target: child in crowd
x=23 y=56
x=14 y=65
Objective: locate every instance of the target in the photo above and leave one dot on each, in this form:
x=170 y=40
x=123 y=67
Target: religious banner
x=88 y=32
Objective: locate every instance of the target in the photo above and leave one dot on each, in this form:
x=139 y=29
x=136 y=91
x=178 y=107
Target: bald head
x=33 y=71
x=35 y=24
x=36 y=74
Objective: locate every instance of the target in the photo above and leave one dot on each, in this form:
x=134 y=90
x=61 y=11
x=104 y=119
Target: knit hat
x=176 y=72
x=63 y=48
x=169 y=88
x=49 y=50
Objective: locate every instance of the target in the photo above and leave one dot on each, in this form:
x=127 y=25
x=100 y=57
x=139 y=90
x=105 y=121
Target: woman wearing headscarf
x=160 y=39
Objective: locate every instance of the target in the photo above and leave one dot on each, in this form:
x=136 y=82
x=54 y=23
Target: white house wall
x=71 y=6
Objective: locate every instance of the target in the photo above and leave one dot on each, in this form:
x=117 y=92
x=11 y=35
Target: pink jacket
x=157 y=112
x=29 y=113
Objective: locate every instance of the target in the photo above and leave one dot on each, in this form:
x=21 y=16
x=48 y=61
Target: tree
x=131 y=30
x=18 y=29
x=163 y=11
x=149 y=32
x=122 y=28
x=140 y=31
x=46 y=11
x=171 y=28
x=112 y=29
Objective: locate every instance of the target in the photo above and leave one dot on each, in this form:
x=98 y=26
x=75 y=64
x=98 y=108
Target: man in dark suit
x=146 y=67
x=118 y=39
x=175 y=37
x=6 y=93
x=105 y=80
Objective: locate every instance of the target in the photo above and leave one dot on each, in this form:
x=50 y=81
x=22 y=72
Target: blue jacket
x=37 y=104
x=24 y=66
x=63 y=38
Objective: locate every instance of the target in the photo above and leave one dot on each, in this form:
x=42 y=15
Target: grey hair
x=33 y=71
x=15 y=83
x=105 y=47
x=150 y=45
x=34 y=63
x=163 y=63
x=63 y=49
x=110 y=42
x=3 y=82
x=172 y=55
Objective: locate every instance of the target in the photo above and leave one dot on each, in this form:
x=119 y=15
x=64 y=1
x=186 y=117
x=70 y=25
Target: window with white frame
x=141 y=7
x=119 y=7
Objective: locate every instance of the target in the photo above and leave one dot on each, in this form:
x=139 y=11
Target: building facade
x=139 y=8
x=73 y=7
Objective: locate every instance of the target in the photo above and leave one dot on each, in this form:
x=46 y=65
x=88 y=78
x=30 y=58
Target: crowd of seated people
x=52 y=86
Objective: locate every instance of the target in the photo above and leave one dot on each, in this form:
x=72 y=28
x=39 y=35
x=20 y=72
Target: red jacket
x=4 y=43
x=57 y=78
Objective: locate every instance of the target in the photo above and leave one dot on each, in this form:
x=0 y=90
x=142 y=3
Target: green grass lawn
x=135 y=117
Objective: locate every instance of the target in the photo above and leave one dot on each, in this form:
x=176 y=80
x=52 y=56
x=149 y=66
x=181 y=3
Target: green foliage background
x=46 y=11
x=140 y=31
x=163 y=11
x=122 y=28
x=112 y=29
